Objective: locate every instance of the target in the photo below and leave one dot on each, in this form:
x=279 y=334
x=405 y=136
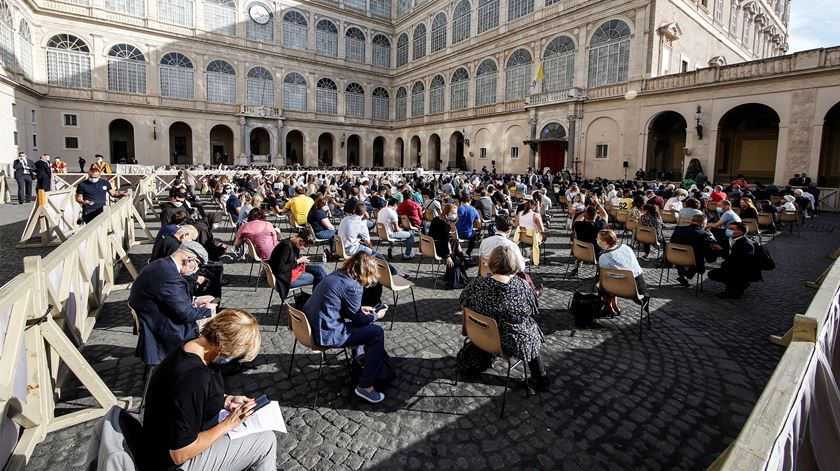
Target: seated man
x=703 y=243
x=166 y=246
x=161 y=298
x=390 y=219
x=175 y=205
x=503 y=228
x=290 y=269
x=299 y=206
x=739 y=267
x=467 y=216
x=356 y=238
x=725 y=217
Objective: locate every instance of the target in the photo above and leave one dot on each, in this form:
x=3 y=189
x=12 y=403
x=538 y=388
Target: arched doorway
x=354 y=146
x=294 y=148
x=260 y=142
x=415 y=152
x=221 y=144
x=829 y=174
x=180 y=143
x=399 y=151
x=666 y=141
x=121 y=138
x=434 y=151
x=552 y=147
x=748 y=137
x=456 y=150
x=325 y=150
x=379 y=152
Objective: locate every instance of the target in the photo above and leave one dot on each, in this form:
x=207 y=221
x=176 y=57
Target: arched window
x=326 y=97
x=220 y=78
x=609 y=54
x=126 y=69
x=559 y=63
x=295 y=30
x=7 y=36
x=380 y=101
x=326 y=38
x=129 y=7
x=401 y=103
x=459 y=97
x=418 y=96
x=354 y=100
x=179 y=12
x=176 y=76
x=419 y=41
x=517 y=75
x=485 y=83
x=436 y=92
x=519 y=8
x=488 y=15
x=402 y=50
x=381 y=51
x=403 y=7
x=294 y=92
x=259 y=87
x=439 y=32
x=354 y=45
x=68 y=61
x=461 y=18
x=220 y=16
x=25 y=48
x=381 y=8
x=259 y=22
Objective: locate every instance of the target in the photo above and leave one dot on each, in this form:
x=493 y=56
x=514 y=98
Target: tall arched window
x=176 y=76
x=7 y=36
x=401 y=103
x=403 y=7
x=559 y=63
x=326 y=97
x=295 y=30
x=485 y=83
x=488 y=15
x=419 y=41
x=220 y=78
x=126 y=69
x=459 y=89
x=354 y=45
x=220 y=16
x=68 y=61
x=179 y=12
x=439 y=32
x=25 y=48
x=294 y=92
x=402 y=50
x=380 y=101
x=418 y=97
x=354 y=100
x=129 y=7
x=519 y=8
x=461 y=18
x=326 y=38
x=381 y=51
x=609 y=54
x=262 y=28
x=381 y=8
x=517 y=75
x=436 y=93
x=259 y=87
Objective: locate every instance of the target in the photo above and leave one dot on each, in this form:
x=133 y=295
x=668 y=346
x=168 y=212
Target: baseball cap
x=194 y=248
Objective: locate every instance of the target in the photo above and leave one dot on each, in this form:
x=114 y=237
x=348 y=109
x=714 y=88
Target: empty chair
x=791 y=218
x=427 y=249
x=646 y=235
x=682 y=256
x=622 y=284
x=395 y=284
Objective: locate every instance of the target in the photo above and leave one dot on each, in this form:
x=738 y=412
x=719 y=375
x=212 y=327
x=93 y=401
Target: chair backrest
x=788 y=216
x=382 y=232
x=301 y=327
x=312 y=230
x=681 y=255
x=453 y=230
x=618 y=283
x=383 y=273
x=406 y=223
x=684 y=222
x=752 y=225
x=736 y=210
x=427 y=247
x=563 y=200
x=269 y=275
x=483 y=266
x=669 y=217
x=631 y=224
x=526 y=235
x=765 y=219
x=339 y=247
x=430 y=215
x=252 y=249
x=622 y=216
x=483 y=332
x=583 y=251
x=646 y=234
x=775 y=199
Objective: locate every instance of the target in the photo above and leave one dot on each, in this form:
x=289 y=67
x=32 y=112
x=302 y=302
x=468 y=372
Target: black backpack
x=763 y=258
x=456 y=277
x=472 y=360
x=585 y=307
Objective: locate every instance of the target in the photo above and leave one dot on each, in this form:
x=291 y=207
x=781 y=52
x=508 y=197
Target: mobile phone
x=261 y=401
x=380 y=307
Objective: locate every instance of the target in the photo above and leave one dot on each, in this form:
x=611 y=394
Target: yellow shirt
x=625 y=204
x=299 y=206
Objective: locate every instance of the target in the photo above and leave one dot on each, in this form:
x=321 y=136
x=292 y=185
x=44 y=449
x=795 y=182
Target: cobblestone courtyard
x=673 y=400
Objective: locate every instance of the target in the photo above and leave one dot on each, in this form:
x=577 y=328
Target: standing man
x=101 y=165
x=43 y=173
x=58 y=166
x=93 y=193
x=24 y=171
x=82 y=163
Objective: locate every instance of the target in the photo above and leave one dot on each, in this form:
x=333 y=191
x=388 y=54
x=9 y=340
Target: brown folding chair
x=395 y=284
x=428 y=249
x=252 y=254
x=791 y=218
x=405 y=223
x=622 y=284
x=318 y=242
x=681 y=256
x=753 y=228
x=669 y=217
x=382 y=233
x=526 y=240
x=584 y=252
x=684 y=222
x=339 y=251
x=646 y=235
x=272 y=283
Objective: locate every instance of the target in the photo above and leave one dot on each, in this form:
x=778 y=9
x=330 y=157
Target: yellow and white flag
x=538 y=79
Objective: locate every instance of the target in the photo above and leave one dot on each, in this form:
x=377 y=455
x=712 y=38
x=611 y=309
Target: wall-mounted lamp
x=467 y=142
x=471 y=153
x=154 y=129
x=699 y=126
x=343 y=138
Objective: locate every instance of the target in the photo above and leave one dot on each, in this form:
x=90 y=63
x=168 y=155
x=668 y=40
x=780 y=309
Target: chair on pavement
x=583 y=252
x=272 y=283
x=681 y=256
x=382 y=233
x=647 y=235
x=483 y=332
x=147 y=369
x=526 y=240
x=765 y=220
x=669 y=217
x=428 y=249
x=405 y=224
x=318 y=242
x=341 y=255
x=620 y=283
x=753 y=229
x=395 y=284
x=790 y=218
x=251 y=250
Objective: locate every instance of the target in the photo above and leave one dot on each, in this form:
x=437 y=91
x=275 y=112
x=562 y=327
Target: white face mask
x=93 y=180
x=680 y=198
x=177 y=204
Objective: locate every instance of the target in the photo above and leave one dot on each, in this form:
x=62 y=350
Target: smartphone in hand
x=380 y=307
x=261 y=401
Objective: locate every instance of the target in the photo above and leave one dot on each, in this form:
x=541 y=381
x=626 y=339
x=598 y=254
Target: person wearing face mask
x=181 y=423
x=675 y=203
x=93 y=193
x=440 y=230
x=165 y=310
x=739 y=267
x=101 y=165
x=319 y=219
x=618 y=256
x=176 y=204
x=725 y=217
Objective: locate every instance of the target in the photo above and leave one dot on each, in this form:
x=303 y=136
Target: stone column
x=246 y=141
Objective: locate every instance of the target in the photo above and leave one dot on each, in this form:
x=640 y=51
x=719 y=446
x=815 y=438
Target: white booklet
x=267 y=418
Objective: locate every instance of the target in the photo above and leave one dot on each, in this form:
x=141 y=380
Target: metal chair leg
x=504 y=395
x=414 y=301
x=419 y=262
x=437 y=273
x=525 y=370
x=292 y=360
x=394 y=314
x=318 y=383
x=458 y=370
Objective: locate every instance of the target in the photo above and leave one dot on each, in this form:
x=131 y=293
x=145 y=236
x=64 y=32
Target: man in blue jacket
x=161 y=298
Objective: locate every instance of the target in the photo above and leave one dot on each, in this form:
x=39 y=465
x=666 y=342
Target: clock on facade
x=259 y=13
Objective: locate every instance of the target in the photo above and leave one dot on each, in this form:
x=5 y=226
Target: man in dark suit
x=703 y=243
x=24 y=171
x=161 y=298
x=43 y=173
x=739 y=268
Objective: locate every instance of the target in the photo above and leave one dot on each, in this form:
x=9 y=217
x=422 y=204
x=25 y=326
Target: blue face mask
x=453 y=217
x=720 y=210
x=730 y=233
x=222 y=360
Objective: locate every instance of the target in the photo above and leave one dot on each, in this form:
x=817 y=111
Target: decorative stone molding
x=717 y=61
x=670 y=31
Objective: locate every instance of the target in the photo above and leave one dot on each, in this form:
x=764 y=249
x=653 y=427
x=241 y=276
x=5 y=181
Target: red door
x=552 y=155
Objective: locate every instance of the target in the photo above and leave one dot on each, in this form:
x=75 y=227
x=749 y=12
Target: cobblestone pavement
x=673 y=400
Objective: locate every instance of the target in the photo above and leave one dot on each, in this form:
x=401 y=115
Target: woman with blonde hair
x=181 y=423
x=338 y=319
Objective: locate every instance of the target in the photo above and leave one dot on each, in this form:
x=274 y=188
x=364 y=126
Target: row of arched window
x=9 y=41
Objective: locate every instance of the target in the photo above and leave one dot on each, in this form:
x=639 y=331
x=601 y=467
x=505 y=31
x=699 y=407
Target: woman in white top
x=675 y=203
x=529 y=218
x=618 y=256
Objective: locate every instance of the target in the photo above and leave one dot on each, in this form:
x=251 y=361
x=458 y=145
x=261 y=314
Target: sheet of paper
x=267 y=418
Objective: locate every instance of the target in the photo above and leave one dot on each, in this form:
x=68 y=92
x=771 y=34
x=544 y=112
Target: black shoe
x=683 y=281
x=539 y=383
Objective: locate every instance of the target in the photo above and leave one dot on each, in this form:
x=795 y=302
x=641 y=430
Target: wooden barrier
x=5 y=195
x=52 y=220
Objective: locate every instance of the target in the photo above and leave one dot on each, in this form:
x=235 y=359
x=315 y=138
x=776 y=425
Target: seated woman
x=651 y=218
x=748 y=209
x=530 y=217
x=440 y=230
x=618 y=256
x=511 y=303
x=260 y=232
x=690 y=209
x=594 y=219
x=319 y=219
x=338 y=319
x=181 y=424
x=290 y=269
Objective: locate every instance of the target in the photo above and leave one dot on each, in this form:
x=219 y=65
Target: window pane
x=221 y=88
x=129 y=7
x=219 y=17
x=488 y=15
x=179 y=12
x=519 y=8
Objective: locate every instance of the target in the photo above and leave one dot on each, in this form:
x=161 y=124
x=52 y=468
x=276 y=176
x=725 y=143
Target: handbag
x=456 y=276
x=472 y=360
x=585 y=307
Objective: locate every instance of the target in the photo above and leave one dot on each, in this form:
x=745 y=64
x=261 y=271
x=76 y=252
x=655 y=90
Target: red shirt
x=717 y=196
x=411 y=209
